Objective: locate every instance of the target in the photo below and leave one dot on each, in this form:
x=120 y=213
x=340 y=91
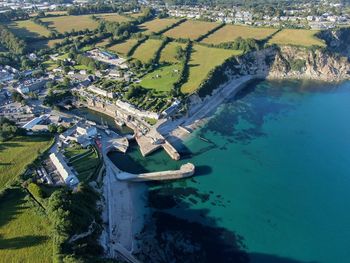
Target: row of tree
x=11 y=15
x=11 y=42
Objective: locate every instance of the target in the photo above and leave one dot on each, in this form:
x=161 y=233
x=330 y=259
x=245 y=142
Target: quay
x=186 y=170
x=152 y=141
x=148 y=142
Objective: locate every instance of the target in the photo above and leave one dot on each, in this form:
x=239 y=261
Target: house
x=63 y=169
x=31 y=85
x=29 y=125
x=101 y=92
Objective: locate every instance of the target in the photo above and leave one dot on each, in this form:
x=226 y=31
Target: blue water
x=273 y=183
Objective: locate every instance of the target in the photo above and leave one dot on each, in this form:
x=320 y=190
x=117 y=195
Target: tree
x=17 y=97
x=52 y=128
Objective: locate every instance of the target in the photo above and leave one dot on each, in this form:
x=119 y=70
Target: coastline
x=180 y=129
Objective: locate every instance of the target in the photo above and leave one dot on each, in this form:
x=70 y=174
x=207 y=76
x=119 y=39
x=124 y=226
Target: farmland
x=28 y=29
x=113 y=17
x=204 y=59
x=162 y=79
x=156 y=25
x=168 y=54
x=297 y=37
x=229 y=33
x=17 y=153
x=191 y=29
x=68 y=23
x=25 y=235
x=84 y=161
x=145 y=52
x=124 y=47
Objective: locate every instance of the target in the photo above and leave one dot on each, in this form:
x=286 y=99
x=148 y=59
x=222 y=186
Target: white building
x=63 y=169
x=87 y=131
x=101 y=92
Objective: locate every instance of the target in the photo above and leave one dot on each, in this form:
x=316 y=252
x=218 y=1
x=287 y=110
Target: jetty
x=152 y=141
x=186 y=170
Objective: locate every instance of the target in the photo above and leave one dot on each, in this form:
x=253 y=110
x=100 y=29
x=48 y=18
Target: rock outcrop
x=337 y=40
x=293 y=63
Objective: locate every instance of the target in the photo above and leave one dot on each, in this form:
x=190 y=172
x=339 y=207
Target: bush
x=35 y=191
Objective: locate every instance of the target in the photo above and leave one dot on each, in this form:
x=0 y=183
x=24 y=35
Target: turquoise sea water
x=272 y=184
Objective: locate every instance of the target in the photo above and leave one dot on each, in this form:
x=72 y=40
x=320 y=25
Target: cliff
x=293 y=63
x=337 y=40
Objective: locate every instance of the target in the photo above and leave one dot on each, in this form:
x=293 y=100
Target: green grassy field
x=156 y=25
x=84 y=161
x=67 y=23
x=113 y=17
x=17 y=153
x=297 y=37
x=27 y=28
x=162 y=79
x=145 y=52
x=124 y=47
x=203 y=59
x=24 y=234
x=229 y=33
x=191 y=29
x=169 y=52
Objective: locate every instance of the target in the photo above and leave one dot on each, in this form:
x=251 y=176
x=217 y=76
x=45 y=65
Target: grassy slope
x=67 y=23
x=156 y=25
x=24 y=235
x=229 y=33
x=204 y=59
x=298 y=37
x=17 y=153
x=162 y=79
x=123 y=47
x=146 y=51
x=169 y=52
x=86 y=165
x=27 y=28
x=191 y=29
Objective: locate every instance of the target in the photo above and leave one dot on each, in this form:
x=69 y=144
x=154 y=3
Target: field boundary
x=200 y=38
x=134 y=47
x=177 y=23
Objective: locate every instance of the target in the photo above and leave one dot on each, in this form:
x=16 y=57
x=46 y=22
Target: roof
x=63 y=169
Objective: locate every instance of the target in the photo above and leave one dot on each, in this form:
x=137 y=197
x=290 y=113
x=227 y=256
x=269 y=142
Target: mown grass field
x=124 y=47
x=297 y=37
x=156 y=25
x=162 y=79
x=28 y=29
x=145 y=52
x=84 y=161
x=191 y=29
x=168 y=54
x=67 y=23
x=113 y=17
x=229 y=33
x=24 y=234
x=17 y=153
x=204 y=59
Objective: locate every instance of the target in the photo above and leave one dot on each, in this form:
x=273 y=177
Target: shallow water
x=272 y=184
